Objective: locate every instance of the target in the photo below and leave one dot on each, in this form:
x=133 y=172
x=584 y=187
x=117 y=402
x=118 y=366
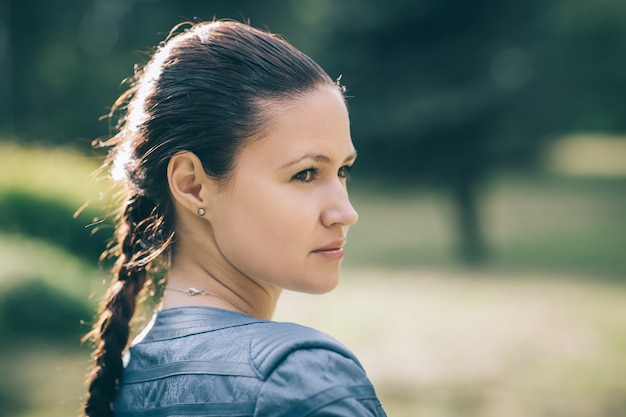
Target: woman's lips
x=331 y=252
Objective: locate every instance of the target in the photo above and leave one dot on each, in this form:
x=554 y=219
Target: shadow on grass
x=12 y=401
x=34 y=317
x=35 y=309
x=53 y=221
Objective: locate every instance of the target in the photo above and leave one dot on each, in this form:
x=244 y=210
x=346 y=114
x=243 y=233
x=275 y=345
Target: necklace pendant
x=191 y=291
x=194 y=291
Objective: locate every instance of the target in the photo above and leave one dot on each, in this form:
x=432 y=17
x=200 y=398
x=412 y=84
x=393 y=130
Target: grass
x=489 y=343
x=541 y=222
x=434 y=342
x=60 y=173
x=30 y=259
x=45 y=379
x=538 y=331
x=42 y=191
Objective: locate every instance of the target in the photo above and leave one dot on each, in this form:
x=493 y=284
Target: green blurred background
x=487 y=274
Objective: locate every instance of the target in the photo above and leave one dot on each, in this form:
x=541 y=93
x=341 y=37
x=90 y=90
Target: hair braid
x=206 y=90
x=139 y=243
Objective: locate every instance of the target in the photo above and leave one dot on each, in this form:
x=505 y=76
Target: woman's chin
x=319 y=287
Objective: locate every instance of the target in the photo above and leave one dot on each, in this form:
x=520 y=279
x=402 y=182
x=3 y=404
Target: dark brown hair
x=205 y=90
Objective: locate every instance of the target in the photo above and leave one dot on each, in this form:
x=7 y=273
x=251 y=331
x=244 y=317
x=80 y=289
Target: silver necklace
x=191 y=291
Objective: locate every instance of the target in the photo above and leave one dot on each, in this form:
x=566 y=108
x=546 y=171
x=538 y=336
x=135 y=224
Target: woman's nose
x=340 y=211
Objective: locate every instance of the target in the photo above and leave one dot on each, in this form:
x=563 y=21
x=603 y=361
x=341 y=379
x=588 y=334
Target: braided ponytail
x=140 y=240
x=205 y=90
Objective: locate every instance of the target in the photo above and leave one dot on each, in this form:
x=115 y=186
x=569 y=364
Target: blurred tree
x=446 y=91
x=57 y=316
x=6 y=78
x=42 y=61
x=449 y=91
x=63 y=61
x=436 y=86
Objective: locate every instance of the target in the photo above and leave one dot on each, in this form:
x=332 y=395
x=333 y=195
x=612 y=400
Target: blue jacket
x=201 y=361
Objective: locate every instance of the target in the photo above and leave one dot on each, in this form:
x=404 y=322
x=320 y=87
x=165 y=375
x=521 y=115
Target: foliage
x=33 y=309
x=444 y=92
x=481 y=80
x=42 y=188
x=80 y=51
x=12 y=402
x=449 y=92
x=48 y=219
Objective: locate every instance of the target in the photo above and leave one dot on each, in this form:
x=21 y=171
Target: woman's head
x=281 y=220
x=210 y=91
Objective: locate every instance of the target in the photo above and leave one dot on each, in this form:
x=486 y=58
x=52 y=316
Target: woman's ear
x=188 y=183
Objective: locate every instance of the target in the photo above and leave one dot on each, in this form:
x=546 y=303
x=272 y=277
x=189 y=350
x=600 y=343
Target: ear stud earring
x=201 y=212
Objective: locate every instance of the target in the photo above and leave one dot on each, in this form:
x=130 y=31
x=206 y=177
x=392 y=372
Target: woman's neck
x=191 y=284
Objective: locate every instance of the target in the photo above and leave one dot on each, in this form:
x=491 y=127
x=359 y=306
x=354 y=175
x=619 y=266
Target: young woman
x=233 y=149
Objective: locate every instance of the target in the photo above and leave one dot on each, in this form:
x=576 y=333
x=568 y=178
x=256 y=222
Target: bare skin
x=279 y=223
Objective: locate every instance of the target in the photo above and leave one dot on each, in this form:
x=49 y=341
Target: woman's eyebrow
x=317 y=158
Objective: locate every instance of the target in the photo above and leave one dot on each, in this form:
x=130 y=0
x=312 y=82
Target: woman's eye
x=344 y=171
x=308 y=175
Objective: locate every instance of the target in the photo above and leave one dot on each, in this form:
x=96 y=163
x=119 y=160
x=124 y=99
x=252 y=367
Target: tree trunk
x=6 y=70
x=471 y=245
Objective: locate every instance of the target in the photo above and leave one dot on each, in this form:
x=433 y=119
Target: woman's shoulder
x=282 y=365
x=261 y=343
x=307 y=372
x=272 y=342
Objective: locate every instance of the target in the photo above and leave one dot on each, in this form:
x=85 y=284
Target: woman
x=233 y=149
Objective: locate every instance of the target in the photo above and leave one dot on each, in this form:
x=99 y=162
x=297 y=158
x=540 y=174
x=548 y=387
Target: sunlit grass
x=558 y=223
x=588 y=155
x=434 y=342
x=29 y=260
x=488 y=343
x=46 y=378
x=54 y=194
x=533 y=222
x=60 y=172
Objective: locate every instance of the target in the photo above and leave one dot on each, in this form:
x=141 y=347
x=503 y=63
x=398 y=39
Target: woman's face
x=284 y=216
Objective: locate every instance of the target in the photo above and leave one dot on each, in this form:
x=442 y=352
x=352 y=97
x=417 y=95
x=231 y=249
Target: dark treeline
x=444 y=92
